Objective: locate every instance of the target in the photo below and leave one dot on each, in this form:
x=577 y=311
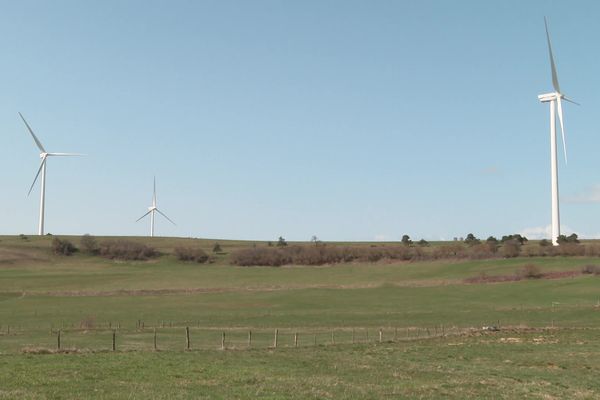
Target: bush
x=191 y=254
x=483 y=250
x=545 y=243
x=530 y=271
x=217 y=248
x=88 y=244
x=281 y=242
x=511 y=248
x=423 y=243
x=406 y=240
x=62 y=247
x=591 y=269
x=126 y=250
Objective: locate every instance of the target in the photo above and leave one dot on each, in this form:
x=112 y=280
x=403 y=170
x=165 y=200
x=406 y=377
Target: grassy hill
x=429 y=315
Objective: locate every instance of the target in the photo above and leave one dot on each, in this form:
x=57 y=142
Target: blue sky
x=349 y=120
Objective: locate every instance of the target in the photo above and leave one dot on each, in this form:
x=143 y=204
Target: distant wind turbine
x=555 y=99
x=153 y=209
x=43 y=155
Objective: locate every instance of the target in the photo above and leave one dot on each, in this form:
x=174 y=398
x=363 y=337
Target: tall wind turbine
x=555 y=99
x=44 y=156
x=152 y=210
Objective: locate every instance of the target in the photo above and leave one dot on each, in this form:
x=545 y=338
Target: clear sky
x=349 y=120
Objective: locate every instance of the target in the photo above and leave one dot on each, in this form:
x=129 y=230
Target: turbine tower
x=555 y=99
x=152 y=210
x=44 y=156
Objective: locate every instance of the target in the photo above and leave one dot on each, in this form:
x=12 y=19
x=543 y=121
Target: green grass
x=545 y=364
x=82 y=295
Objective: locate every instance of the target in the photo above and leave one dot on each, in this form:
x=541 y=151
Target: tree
x=217 y=248
x=518 y=237
x=281 y=242
x=471 y=240
x=492 y=239
x=572 y=238
x=406 y=240
x=545 y=243
x=423 y=243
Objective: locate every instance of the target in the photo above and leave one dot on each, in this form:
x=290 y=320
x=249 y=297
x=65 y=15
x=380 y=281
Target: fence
x=168 y=337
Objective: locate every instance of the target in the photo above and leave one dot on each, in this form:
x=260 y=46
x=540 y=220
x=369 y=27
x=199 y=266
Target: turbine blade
x=571 y=101
x=163 y=214
x=37 y=141
x=552 y=65
x=154 y=193
x=143 y=216
x=562 y=127
x=36 y=175
x=66 y=154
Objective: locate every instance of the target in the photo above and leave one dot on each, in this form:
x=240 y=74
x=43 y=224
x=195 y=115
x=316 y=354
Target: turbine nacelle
x=548 y=97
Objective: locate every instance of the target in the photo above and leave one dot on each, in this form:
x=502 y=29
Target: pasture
x=429 y=317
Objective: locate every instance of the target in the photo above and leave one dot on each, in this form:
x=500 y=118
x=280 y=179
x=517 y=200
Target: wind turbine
x=44 y=156
x=152 y=210
x=555 y=99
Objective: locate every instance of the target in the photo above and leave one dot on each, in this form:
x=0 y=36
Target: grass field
x=87 y=297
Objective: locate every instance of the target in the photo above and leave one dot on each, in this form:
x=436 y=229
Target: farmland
x=428 y=315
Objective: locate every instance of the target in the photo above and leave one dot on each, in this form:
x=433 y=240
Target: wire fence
x=169 y=337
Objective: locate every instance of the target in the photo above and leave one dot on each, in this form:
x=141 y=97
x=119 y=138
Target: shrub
x=545 y=243
x=62 y=247
x=591 y=269
x=126 y=250
x=570 y=249
x=530 y=271
x=23 y=237
x=191 y=254
x=483 y=250
x=217 y=248
x=511 y=248
x=88 y=244
x=281 y=242
x=423 y=243
x=258 y=256
x=406 y=240
x=449 y=251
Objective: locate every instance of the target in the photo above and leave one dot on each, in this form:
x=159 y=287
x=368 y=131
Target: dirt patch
x=514 y=278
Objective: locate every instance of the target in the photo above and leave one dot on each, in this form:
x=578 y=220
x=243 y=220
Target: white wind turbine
x=555 y=99
x=152 y=210
x=44 y=156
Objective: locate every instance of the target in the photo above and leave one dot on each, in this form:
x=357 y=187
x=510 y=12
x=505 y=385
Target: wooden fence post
x=295 y=339
x=58 y=340
x=380 y=335
x=155 y=339
x=187 y=337
x=276 y=335
x=223 y=340
x=249 y=338
x=114 y=340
